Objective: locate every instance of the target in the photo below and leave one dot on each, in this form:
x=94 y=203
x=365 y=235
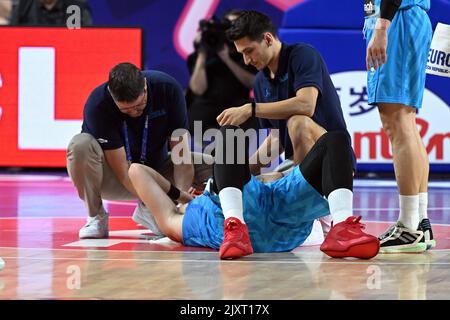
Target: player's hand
x=235 y=116
x=376 y=50
x=185 y=197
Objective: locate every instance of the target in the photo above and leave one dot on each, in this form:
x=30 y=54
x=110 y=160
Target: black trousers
x=327 y=167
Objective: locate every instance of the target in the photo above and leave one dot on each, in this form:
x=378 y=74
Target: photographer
x=219 y=76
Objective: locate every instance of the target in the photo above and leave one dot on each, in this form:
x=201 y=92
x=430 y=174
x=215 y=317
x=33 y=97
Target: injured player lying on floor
x=239 y=214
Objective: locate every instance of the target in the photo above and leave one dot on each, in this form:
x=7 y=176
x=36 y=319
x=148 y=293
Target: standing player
x=398 y=35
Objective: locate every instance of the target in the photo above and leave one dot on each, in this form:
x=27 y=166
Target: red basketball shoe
x=346 y=239
x=236 y=242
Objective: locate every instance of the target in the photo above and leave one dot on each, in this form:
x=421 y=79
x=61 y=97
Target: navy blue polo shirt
x=167 y=112
x=300 y=65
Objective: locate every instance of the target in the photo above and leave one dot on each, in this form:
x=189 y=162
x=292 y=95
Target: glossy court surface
x=40 y=216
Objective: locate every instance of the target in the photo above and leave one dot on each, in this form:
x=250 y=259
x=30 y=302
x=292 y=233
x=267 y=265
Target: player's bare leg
x=152 y=189
x=399 y=123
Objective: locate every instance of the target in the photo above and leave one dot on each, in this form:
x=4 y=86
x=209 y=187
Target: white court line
x=393 y=183
x=234 y=261
x=74 y=217
x=108 y=250
x=396 y=208
x=32 y=179
x=168 y=251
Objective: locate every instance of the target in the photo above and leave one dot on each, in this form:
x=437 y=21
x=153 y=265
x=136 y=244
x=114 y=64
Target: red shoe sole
x=360 y=251
x=234 y=253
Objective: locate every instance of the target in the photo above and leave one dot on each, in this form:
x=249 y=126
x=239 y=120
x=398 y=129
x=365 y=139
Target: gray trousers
x=94 y=179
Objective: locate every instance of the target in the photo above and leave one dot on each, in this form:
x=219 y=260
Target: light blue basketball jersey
x=424 y=4
x=279 y=215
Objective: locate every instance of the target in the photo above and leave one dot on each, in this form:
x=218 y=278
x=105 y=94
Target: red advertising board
x=46 y=75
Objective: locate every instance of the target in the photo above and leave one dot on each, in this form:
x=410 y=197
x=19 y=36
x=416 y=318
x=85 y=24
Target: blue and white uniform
x=279 y=215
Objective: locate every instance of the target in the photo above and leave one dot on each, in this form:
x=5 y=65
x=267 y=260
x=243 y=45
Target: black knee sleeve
x=328 y=166
x=231 y=159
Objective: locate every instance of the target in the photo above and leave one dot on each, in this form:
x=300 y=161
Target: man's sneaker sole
x=234 y=252
x=95 y=237
x=361 y=251
x=416 y=248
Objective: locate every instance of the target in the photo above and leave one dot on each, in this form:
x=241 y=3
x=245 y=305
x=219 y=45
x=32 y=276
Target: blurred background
x=48 y=68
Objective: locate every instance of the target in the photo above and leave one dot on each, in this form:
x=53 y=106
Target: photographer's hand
x=245 y=77
x=224 y=54
x=199 y=81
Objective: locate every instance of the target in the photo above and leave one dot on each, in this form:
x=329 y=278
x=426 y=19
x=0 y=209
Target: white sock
x=409 y=211
x=231 y=202
x=340 y=202
x=423 y=205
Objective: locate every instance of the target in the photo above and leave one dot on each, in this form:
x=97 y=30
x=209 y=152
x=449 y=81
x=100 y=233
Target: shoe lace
x=388 y=232
x=231 y=225
x=93 y=222
x=354 y=222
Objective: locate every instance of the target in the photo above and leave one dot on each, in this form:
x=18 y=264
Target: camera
x=213 y=33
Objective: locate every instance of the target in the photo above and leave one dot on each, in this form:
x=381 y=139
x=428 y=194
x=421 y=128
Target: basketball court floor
x=40 y=216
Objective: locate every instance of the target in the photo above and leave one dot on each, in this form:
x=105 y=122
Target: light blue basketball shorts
x=402 y=78
x=279 y=215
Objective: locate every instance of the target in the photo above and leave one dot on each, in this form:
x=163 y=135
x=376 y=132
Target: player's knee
x=300 y=127
x=135 y=170
x=397 y=127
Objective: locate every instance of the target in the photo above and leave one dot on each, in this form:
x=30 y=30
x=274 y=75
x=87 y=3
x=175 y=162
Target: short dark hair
x=126 y=82
x=251 y=24
x=232 y=12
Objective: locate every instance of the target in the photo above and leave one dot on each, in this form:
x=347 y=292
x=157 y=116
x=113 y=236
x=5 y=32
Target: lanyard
x=143 y=158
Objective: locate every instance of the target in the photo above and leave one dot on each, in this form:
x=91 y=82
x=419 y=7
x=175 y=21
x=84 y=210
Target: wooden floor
x=306 y=274
x=40 y=218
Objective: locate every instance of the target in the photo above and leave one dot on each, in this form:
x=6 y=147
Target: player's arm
x=268 y=151
x=304 y=103
x=389 y=8
x=183 y=168
x=117 y=160
x=376 y=50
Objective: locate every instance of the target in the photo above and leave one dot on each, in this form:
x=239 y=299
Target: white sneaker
x=95 y=228
x=2 y=263
x=143 y=216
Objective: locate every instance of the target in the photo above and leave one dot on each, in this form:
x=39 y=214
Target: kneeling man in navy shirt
x=293 y=91
x=131 y=118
